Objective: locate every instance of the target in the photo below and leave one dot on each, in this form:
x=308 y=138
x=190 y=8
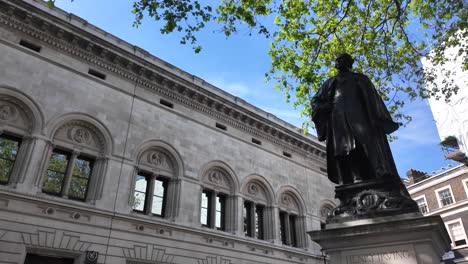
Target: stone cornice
x=92 y=47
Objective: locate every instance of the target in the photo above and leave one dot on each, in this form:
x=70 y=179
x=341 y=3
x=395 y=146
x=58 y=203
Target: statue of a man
x=350 y=115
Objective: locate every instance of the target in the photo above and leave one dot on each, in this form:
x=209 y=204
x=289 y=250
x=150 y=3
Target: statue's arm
x=321 y=107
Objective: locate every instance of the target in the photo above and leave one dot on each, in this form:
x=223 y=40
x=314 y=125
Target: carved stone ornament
x=80 y=135
x=156 y=158
x=374 y=199
x=253 y=189
x=286 y=199
x=215 y=177
x=159 y=159
x=8 y=112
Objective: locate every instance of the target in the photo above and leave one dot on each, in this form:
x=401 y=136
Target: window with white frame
x=422 y=204
x=465 y=185
x=445 y=196
x=152 y=191
x=457 y=233
x=75 y=163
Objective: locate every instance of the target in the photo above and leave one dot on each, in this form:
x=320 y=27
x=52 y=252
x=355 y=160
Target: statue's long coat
x=357 y=117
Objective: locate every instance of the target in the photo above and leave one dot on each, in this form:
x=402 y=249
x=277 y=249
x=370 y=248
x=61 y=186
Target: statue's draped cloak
x=349 y=113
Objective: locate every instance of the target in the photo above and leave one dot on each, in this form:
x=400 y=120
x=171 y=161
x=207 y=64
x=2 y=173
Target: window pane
x=445 y=197
x=220 y=205
x=6 y=166
x=8 y=148
x=157 y=205
x=457 y=234
x=247 y=219
x=58 y=162
x=53 y=182
x=204 y=214
x=259 y=221
x=158 y=197
x=422 y=205
x=55 y=174
x=139 y=197
x=140 y=183
x=82 y=168
x=80 y=178
x=292 y=230
x=282 y=216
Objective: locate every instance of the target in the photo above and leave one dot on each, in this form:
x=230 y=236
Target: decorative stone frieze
x=93 y=51
x=147 y=252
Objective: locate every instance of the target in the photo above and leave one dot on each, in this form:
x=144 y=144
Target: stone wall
x=144 y=115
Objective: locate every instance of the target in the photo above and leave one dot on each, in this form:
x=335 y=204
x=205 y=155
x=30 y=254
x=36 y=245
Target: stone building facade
x=108 y=152
x=445 y=194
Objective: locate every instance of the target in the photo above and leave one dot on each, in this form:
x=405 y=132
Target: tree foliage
x=388 y=38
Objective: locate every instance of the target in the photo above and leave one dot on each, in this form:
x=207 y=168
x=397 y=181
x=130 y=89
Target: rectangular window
x=292 y=230
x=9 y=147
x=220 y=212
x=445 y=197
x=422 y=205
x=159 y=194
x=97 y=74
x=55 y=175
x=141 y=188
x=283 y=216
x=457 y=234
x=259 y=221
x=205 y=218
x=30 y=45
x=248 y=219
x=79 y=181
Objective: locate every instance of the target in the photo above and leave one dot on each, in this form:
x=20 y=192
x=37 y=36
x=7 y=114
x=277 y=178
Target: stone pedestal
x=403 y=239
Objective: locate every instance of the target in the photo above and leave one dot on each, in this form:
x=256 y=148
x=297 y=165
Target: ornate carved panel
x=158 y=159
x=13 y=114
x=256 y=191
x=81 y=133
x=217 y=179
x=289 y=201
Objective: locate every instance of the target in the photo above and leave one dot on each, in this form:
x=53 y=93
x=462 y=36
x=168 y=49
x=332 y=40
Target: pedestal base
x=407 y=240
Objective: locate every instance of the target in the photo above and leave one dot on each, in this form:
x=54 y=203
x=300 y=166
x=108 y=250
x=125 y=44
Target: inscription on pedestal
x=390 y=255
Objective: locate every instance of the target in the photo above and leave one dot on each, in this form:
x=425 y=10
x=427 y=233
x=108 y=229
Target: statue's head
x=344 y=62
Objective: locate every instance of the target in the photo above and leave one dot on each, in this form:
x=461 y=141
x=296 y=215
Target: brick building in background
x=445 y=194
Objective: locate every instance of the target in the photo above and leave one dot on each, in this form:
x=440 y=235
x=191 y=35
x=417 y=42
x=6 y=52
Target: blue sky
x=238 y=64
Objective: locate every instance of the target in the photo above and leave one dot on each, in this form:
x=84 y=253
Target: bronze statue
x=350 y=115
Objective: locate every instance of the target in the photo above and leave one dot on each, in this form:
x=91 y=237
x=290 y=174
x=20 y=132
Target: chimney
x=415 y=176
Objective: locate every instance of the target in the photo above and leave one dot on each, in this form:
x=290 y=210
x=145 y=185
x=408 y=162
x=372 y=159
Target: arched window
x=258 y=212
x=291 y=218
x=156 y=181
x=20 y=122
x=218 y=202
x=76 y=160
